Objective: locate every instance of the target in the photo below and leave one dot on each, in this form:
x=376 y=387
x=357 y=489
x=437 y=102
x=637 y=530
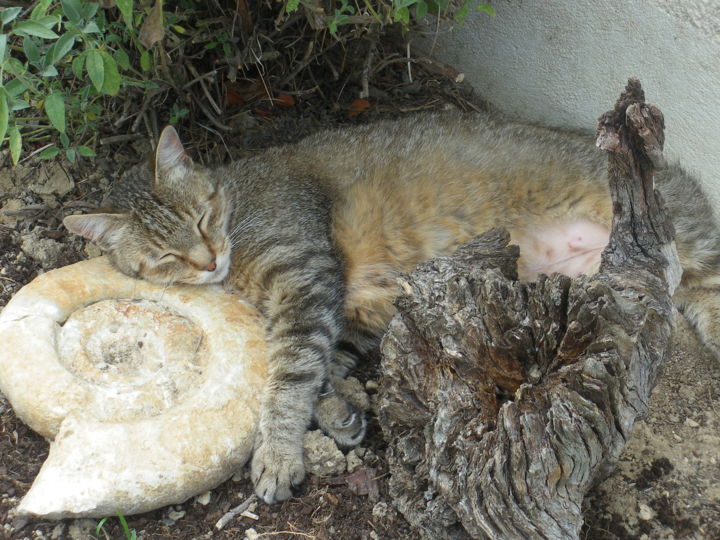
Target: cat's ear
x=102 y=229
x=171 y=161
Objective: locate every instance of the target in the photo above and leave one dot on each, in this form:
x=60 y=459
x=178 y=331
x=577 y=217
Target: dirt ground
x=667 y=484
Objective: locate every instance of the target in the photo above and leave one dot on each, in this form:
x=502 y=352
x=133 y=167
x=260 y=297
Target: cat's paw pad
x=340 y=420
x=275 y=471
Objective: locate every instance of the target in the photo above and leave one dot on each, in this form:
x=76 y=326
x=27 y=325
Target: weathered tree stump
x=503 y=402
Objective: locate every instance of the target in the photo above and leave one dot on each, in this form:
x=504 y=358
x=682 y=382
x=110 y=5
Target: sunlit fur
x=321 y=229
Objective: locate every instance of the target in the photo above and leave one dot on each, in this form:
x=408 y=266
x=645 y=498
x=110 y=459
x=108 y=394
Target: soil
x=667 y=485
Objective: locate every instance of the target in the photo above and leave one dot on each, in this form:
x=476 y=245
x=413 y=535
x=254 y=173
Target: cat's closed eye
x=167 y=257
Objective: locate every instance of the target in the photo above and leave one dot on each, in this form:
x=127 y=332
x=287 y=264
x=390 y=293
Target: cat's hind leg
x=334 y=414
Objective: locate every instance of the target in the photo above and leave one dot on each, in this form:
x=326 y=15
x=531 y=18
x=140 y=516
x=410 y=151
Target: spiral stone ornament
x=149 y=394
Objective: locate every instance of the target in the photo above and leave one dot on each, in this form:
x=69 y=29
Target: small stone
x=203 y=498
x=322 y=456
x=19 y=523
x=353 y=461
x=691 y=423
x=58 y=531
x=53 y=180
x=383 y=511
x=251 y=534
x=176 y=515
x=82 y=529
x=646 y=513
x=10 y=205
x=372 y=386
x=42 y=250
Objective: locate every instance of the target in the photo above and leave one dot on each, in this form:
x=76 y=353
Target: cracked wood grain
x=504 y=402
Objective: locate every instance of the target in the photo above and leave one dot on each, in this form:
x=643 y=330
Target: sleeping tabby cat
x=315 y=233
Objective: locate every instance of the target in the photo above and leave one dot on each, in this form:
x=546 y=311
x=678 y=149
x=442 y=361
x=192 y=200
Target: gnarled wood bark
x=503 y=402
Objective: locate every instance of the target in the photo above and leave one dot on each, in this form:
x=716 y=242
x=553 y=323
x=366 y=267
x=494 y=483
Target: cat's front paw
x=276 y=469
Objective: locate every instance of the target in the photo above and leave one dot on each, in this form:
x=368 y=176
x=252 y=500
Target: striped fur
x=316 y=233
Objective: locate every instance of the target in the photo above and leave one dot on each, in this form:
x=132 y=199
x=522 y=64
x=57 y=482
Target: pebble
x=691 y=423
x=176 y=515
x=251 y=534
x=353 y=461
x=82 y=529
x=322 y=456
x=203 y=498
x=383 y=511
x=58 y=531
x=646 y=513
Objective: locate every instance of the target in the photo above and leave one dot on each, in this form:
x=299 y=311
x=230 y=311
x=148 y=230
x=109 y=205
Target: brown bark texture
x=503 y=402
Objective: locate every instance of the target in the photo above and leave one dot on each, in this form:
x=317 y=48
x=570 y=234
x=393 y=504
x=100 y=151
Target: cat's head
x=172 y=229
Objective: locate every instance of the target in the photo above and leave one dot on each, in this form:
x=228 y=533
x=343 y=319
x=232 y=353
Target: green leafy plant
x=397 y=11
x=61 y=59
x=178 y=113
x=130 y=534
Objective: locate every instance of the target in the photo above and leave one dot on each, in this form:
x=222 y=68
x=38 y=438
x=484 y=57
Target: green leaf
x=65 y=140
x=95 y=68
x=62 y=46
x=71 y=155
x=402 y=15
x=122 y=59
x=48 y=21
x=3 y=47
x=91 y=28
x=40 y=9
x=15 y=144
x=71 y=9
x=145 y=61
x=14 y=87
x=77 y=65
x=34 y=28
x=55 y=109
x=18 y=105
x=88 y=10
x=8 y=14
x=462 y=13
x=86 y=151
x=292 y=5
x=4 y=114
x=126 y=8
x=100 y=525
x=111 y=84
x=49 y=153
x=487 y=8
x=31 y=50
x=421 y=9
x=50 y=71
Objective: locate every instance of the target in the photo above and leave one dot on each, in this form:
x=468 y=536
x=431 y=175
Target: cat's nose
x=211 y=267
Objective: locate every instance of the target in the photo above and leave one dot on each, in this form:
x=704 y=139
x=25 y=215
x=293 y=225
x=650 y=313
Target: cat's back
x=452 y=140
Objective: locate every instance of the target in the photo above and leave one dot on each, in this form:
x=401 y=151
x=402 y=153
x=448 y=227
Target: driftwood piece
x=503 y=402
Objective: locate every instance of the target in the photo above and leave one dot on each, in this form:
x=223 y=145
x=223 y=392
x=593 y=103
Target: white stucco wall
x=563 y=62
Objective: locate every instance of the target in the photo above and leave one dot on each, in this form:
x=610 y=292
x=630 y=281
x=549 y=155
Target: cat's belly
x=569 y=247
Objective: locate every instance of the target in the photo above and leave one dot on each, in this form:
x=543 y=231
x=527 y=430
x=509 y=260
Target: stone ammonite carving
x=149 y=394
